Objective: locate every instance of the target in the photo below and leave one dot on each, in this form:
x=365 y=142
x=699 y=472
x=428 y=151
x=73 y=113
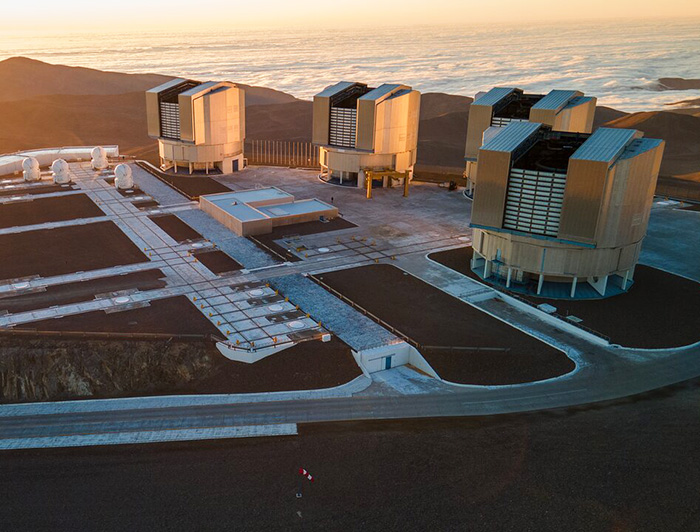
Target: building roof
x=556 y=100
x=639 y=146
x=168 y=85
x=381 y=91
x=200 y=88
x=335 y=89
x=579 y=100
x=605 y=145
x=512 y=136
x=494 y=96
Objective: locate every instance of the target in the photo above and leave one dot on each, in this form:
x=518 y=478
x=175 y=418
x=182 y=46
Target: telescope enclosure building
x=563 y=214
x=199 y=126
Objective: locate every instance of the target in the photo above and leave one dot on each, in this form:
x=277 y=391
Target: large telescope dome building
x=364 y=131
x=563 y=215
x=562 y=110
x=199 y=126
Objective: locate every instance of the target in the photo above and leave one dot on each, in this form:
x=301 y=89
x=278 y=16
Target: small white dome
x=30 y=163
x=99 y=158
x=61 y=173
x=122 y=177
x=30 y=167
x=98 y=152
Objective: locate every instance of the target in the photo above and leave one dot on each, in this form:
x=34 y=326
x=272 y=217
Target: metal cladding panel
x=241 y=113
x=627 y=213
x=397 y=120
x=332 y=90
x=585 y=184
x=152 y=114
x=366 y=111
x=494 y=96
x=187 y=126
x=545 y=116
x=577 y=116
x=512 y=136
x=605 y=145
x=479 y=121
x=556 y=100
x=490 y=196
x=321 y=120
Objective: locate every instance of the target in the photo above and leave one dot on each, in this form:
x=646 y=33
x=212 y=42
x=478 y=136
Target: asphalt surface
x=629 y=465
x=616 y=374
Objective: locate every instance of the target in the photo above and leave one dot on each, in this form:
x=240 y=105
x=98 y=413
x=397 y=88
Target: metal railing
x=367 y=313
x=282 y=153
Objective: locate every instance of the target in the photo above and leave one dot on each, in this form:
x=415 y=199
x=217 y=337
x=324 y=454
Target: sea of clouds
x=618 y=63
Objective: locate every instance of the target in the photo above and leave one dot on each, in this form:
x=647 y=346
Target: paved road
x=616 y=374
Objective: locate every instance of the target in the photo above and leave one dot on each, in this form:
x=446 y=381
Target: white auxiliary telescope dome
x=122 y=177
x=61 y=173
x=30 y=169
x=99 y=158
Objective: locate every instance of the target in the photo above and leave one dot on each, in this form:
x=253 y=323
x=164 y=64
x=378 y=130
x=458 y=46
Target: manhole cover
x=21 y=286
x=323 y=250
x=276 y=308
x=256 y=293
x=121 y=300
x=296 y=324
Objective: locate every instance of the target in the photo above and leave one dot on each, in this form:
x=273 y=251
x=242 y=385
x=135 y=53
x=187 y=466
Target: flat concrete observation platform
x=266 y=297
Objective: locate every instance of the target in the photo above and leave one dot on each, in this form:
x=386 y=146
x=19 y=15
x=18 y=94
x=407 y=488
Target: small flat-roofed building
x=363 y=130
x=562 y=110
x=199 y=126
x=259 y=211
x=563 y=214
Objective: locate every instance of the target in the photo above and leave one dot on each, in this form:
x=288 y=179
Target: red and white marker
x=304 y=473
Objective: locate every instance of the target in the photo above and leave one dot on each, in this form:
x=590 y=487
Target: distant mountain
x=435 y=104
x=681 y=133
x=603 y=115
x=285 y=121
x=93 y=107
x=678 y=84
x=24 y=78
x=70 y=120
x=693 y=102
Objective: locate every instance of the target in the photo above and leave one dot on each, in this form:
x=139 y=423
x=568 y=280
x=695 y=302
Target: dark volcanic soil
x=660 y=310
x=175 y=228
x=48 y=252
x=431 y=317
x=218 y=262
x=174 y=315
x=43 y=210
x=624 y=466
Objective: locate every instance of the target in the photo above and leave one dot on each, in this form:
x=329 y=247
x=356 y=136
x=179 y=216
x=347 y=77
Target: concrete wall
x=402 y=353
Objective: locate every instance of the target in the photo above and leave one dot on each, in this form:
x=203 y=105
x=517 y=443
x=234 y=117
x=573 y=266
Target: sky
x=60 y=15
